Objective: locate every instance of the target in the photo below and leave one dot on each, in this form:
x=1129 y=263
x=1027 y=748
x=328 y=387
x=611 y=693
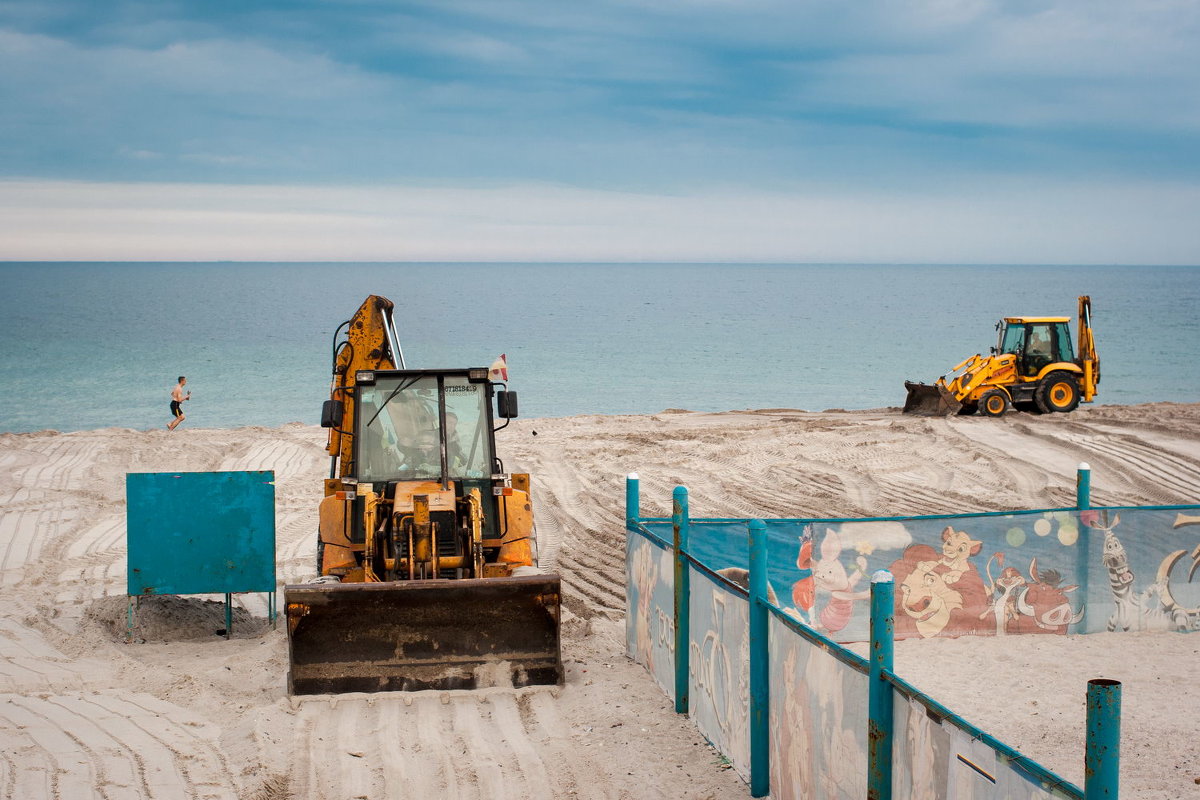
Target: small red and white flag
x=499 y=370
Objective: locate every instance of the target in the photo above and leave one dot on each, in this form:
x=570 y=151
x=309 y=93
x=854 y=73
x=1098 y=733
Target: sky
x=894 y=131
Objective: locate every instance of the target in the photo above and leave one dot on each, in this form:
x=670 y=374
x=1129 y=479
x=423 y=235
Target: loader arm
x=371 y=343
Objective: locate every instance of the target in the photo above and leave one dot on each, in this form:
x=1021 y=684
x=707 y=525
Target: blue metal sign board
x=200 y=532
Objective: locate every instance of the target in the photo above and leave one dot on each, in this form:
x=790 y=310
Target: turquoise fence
x=791 y=708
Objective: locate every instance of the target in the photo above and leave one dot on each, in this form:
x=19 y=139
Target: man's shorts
x=175 y=409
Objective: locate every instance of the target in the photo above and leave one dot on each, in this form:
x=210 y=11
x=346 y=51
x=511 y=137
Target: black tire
x=1059 y=391
x=993 y=403
x=968 y=409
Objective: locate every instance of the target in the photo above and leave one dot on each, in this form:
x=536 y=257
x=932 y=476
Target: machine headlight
x=364 y=376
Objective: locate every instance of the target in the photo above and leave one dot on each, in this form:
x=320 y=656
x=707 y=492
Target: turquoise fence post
x=632 y=501
x=1083 y=486
x=1102 y=757
x=760 y=685
x=879 y=700
x=679 y=524
x=1083 y=502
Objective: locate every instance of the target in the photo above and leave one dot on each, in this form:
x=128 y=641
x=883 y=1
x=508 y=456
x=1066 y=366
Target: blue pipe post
x=679 y=524
x=760 y=656
x=1102 y=757
x=1083 y=486
x=1083 y=502
x=879 y=700
x=632 y=501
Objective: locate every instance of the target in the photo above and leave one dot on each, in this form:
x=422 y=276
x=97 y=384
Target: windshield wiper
x=399 y=388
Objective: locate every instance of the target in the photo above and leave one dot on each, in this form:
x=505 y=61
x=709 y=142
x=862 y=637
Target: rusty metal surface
x=413 y=635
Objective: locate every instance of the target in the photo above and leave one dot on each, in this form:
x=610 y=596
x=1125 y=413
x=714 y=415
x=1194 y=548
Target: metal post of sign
x=679 y=524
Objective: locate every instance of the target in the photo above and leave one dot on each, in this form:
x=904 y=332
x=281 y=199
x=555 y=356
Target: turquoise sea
x=91 y=345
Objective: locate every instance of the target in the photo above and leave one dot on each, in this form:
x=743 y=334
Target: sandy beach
x=181 y=712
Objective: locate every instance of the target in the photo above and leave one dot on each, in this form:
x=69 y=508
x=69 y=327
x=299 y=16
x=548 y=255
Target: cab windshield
x=400 y=436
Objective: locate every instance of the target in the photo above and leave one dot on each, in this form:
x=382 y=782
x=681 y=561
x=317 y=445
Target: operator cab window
x=467 y=442
x=1013 y=339
x=1062 y=337
x=1037 y=344
x=400 y=435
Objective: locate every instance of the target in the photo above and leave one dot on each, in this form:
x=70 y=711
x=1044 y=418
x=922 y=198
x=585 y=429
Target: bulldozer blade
x=430 y=634
x=930 y=400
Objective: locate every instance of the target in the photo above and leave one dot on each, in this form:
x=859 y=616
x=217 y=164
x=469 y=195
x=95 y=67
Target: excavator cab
x=426 y=550
x=1037 y=343
x=423 y=426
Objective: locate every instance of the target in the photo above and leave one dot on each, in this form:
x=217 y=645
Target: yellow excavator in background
x=1032 y=363
x=426 y=553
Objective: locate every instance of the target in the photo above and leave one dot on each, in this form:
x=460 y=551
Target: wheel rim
x=995 y=405
x=1061 y=394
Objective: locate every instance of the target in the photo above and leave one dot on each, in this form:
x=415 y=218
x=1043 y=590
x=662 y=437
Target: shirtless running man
x=177 y=398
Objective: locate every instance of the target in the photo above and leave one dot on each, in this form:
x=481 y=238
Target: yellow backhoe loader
x=1032 y=363
x=426 y=553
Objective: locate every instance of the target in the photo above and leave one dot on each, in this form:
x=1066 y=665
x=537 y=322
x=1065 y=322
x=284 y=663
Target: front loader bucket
x=930 y=401
x=433 y=634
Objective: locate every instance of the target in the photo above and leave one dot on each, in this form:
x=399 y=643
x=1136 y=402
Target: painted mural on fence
x=650 y=609
x=1147 y=594
x=818 y=721
x=719 y=669
x=1048 y=573
x=934 y=758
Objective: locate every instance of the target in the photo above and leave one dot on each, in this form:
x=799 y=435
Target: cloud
x=1012 y=223
x=593 y=93
x=898 y=112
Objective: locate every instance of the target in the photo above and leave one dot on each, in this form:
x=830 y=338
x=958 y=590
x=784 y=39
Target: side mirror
x=331 y=413
x=506 y=405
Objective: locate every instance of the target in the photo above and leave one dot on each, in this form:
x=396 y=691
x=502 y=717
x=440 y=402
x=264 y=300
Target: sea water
x=101 y=344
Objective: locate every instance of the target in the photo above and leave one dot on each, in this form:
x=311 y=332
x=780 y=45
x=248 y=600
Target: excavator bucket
x=930 y=400
x=423 y=634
